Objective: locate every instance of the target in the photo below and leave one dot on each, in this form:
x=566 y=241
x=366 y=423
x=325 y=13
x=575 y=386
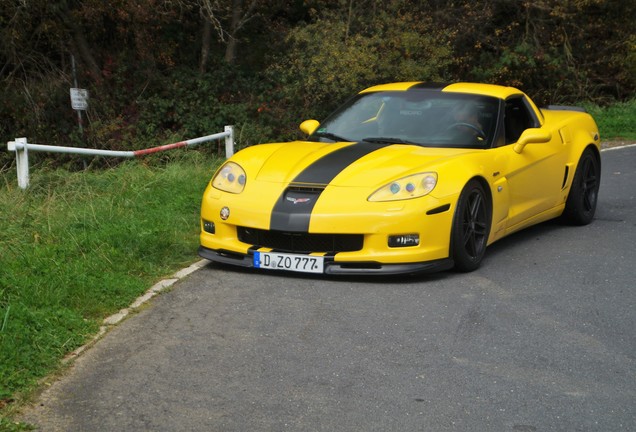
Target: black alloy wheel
x=471 y=227
x=581 y=203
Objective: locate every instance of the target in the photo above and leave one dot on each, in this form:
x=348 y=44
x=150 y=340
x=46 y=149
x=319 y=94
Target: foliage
x=7 y=425
x=557 y=51
x=335 y=56
x=277 y=62
x=77 y=247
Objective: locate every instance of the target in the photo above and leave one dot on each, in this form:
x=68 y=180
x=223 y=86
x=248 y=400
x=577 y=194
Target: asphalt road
x=540 y=338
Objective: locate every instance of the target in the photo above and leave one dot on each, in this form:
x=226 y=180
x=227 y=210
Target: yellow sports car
x=404 y=178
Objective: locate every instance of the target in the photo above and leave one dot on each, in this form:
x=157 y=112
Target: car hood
x=347 y=164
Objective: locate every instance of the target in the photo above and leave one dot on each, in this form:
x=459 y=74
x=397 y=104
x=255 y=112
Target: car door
x=534 y=177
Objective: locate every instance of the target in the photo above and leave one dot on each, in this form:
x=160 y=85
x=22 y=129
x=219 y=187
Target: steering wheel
x=480 y=133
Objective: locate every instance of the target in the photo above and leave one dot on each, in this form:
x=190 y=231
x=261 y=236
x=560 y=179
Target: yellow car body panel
x=521 y=183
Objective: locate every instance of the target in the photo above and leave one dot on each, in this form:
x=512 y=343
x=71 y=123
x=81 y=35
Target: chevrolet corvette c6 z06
x=403 y=178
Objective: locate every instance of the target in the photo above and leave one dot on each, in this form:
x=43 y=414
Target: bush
x=329 y=60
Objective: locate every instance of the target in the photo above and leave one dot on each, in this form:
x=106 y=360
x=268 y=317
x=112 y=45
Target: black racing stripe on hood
x=292 y=210
x=328 y=167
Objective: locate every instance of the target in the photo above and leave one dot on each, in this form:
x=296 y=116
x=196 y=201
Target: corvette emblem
x=298 y=200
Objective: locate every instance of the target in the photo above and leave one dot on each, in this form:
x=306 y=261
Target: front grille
x=300 y=242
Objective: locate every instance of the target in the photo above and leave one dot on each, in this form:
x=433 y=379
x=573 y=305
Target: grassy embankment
x=79 y=246
x=616 y=122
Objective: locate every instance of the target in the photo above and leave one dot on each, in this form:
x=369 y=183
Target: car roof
x=501 y=92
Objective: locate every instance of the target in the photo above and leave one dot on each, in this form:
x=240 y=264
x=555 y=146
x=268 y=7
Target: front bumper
x=224 y=216
x=337 y=268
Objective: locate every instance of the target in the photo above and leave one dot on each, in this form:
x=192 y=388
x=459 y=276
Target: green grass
x=77 y=247
x=615 y=122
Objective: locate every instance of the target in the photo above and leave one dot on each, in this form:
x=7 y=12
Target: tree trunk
x=86 y=54
x=230 y=49
x=206 y=39
x=80 y=45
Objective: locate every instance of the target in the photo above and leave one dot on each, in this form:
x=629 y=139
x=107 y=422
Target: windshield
x=422 y=117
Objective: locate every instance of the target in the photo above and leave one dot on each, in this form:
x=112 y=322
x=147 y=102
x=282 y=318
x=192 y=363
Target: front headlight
x=413 y=186
x=230 y=178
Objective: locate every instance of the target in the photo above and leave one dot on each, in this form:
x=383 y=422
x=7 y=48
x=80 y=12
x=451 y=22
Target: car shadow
x=371 y=278
x=522 y=239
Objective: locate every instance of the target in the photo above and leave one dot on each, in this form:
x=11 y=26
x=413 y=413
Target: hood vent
x=306 y=188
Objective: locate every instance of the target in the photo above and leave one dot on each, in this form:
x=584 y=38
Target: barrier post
x=21 y=160
x=229 y=142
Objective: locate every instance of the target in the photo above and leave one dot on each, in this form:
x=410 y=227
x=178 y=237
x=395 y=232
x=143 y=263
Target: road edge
x=142 y=300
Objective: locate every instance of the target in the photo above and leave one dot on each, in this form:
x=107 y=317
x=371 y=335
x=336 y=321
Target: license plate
x=291 y=262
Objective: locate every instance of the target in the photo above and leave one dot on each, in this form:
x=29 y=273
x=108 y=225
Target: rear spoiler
x=565 y=108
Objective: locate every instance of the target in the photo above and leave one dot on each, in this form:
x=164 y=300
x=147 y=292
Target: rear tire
x=471 y=227
x=581 y=203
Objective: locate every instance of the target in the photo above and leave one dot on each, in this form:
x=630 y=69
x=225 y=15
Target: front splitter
x=337 y=268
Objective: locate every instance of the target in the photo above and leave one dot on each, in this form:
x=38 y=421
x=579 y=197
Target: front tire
x=581 y=203
x=471 y=227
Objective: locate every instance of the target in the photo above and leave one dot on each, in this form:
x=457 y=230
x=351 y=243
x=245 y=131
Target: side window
x=517 y=118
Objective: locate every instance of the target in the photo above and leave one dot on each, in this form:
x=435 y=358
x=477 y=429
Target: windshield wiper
x=331 y=136
x=388 y=140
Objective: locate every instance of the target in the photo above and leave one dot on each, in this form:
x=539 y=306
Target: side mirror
x=532 y=136
x=309 y=126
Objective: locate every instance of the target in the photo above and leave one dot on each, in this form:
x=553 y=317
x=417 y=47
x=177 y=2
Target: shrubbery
x=291 y=61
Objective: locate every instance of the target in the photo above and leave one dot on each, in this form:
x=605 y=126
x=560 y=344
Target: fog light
x=404 y=240
x=209 y=227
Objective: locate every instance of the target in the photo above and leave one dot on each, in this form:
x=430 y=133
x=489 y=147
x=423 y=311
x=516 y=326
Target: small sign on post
x=79 y=99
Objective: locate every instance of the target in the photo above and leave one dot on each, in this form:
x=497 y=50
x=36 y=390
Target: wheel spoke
x=589 y=182
x=586 y=168
x=589 y=199
x=474 y=226
x=468 y=233
x=480 y=228
x=475 y=206
x=469 y=242
x=472 y=246
x=588 y=185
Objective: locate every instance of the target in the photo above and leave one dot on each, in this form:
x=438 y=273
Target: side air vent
x=565 y=176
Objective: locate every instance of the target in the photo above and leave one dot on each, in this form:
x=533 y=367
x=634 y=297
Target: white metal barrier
x=22 y=148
